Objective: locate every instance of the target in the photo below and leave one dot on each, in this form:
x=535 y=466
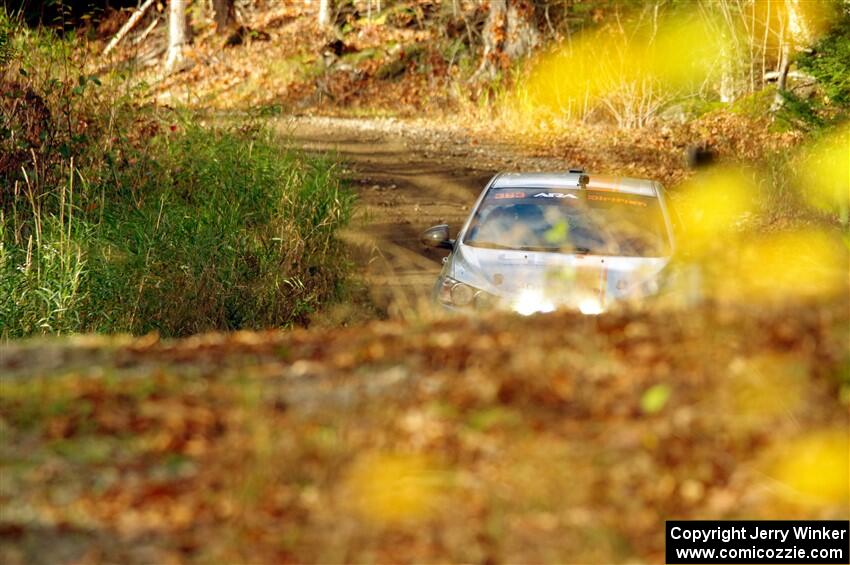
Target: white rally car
x=536 y=242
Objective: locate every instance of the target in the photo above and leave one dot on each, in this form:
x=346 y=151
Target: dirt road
x=407 y=177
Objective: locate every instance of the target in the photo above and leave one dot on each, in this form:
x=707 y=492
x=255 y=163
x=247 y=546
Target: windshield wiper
x=581 y=250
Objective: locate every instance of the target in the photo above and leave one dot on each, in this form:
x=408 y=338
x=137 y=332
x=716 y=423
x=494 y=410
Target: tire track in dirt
x=406 y=179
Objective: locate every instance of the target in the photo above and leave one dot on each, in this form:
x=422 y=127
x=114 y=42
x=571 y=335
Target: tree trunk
x=797 y=25
x=509 y=33
x=782 y=79
x=325 y=13
x=522 y=33
x=125 y=29
x=224 y=14
x=727 y=76
x=177 y=36
x=796 y=34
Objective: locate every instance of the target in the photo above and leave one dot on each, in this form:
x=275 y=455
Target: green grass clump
x=829 y=62
x=215 y=229
x=232 y=232
x=116 y=216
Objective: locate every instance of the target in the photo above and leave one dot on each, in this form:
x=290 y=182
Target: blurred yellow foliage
x=801 y=21
x=683 y=52
x=802 y=265
x=710 y=205
x=396 y=487
x=767 y=386
x=823 y=172
x=655 y=398
x=629 y=71
x=815 y=467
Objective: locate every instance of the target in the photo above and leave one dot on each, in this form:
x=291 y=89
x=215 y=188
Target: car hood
x=590 y=283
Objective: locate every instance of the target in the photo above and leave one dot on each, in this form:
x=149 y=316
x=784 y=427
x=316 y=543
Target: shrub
x=829 y=63
x=231 y=232
x=227 y=230
x=121 y=217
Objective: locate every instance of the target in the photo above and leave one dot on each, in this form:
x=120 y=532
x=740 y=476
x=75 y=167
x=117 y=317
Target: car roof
x=571 y=180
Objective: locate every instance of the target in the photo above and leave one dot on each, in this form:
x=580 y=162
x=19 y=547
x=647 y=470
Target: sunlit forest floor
x=561 y=438
x=557 y=438
x=400 y=72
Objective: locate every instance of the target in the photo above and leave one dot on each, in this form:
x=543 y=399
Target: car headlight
x=531 y=302
x=461 y=295
x=590 y=306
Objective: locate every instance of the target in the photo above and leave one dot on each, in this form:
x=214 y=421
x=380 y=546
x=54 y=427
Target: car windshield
x=602 y=223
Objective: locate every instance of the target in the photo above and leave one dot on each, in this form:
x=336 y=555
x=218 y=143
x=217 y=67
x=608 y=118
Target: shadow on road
x=402 y=189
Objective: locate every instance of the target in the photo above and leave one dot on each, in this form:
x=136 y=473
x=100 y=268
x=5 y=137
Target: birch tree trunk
x=134 y=19
x=177 y=36
x=494 y=38
x=727 y=76
x=510 y=32
x=325 y=10
x=797 y=35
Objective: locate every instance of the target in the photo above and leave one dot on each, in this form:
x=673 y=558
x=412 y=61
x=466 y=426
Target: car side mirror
x=437 y=236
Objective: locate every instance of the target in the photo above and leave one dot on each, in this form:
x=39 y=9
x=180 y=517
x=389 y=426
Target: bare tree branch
x=130 y=24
